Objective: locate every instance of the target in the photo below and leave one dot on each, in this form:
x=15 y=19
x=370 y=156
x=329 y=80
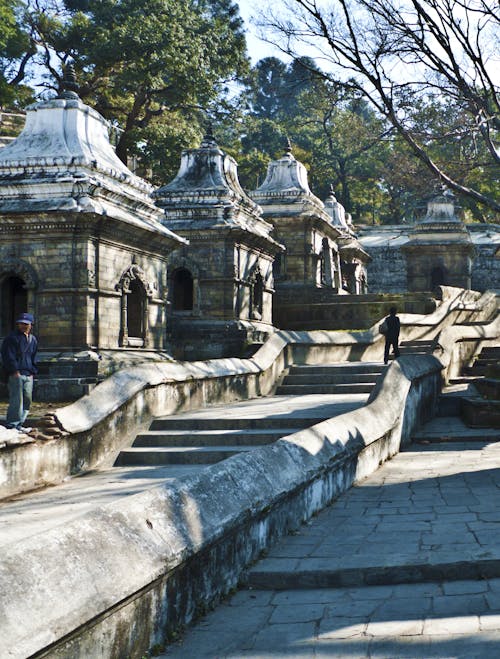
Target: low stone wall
x=324 y=310
x=457 y=345
x=120 y=578
x=94 y=429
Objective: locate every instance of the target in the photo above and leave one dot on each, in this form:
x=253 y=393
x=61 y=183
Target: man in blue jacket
x=19 y=350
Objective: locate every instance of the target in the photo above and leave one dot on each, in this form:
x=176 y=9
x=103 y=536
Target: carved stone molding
x=20 y=268
x=135 y=272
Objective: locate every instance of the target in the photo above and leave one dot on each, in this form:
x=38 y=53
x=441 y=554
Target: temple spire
x=68 y=87
x=209 y=138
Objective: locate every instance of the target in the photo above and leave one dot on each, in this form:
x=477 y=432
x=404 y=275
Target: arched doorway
x=437 y=277
x=182 y=290
x=135 y=312
x=13 y=301
x=136 y=292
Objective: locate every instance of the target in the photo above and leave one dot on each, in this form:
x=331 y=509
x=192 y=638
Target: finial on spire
x=288 y=147
x=331 y=198
x=209 y=139
x=68 y=87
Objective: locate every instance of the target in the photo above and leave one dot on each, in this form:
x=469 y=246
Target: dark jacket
x=19 y=353
x=393 y=326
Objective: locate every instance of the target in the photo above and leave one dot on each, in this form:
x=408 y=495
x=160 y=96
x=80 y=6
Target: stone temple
x=221 y=284
x=81 y=242
x=199 y=268
x=438 y=250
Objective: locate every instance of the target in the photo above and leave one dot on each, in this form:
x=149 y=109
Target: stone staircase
x=206 y=437
x=488 y=358
x=416 y=347
x=345 y=378
x=214 y=434
x=481 y=408
x=463 y=414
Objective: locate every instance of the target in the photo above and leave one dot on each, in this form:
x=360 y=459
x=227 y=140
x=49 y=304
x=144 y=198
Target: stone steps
x=354 y=377
x=215 y=434
x=480 y=413
x=453 y=429
x=210 y=438
x=161 y=455
x=301 y=390
x=348 y=369
x=334 y=378
x=415 y=347
x=479 y=368
x=482 y=409
x=232 y=422
x=339 y=574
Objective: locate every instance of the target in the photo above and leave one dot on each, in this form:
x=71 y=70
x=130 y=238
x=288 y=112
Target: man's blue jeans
x=20 y=396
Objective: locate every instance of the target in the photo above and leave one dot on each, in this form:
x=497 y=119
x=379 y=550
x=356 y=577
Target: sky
x=257 y=49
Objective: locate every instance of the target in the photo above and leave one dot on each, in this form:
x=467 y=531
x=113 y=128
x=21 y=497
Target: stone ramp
x=404 y=564
x=431 y=513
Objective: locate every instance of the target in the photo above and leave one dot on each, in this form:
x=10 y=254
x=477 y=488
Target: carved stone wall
x=71 y=271
x=388 y=270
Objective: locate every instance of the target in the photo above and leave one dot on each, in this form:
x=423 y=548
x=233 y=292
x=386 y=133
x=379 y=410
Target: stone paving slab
x=420 y=517
x=412 y=620
x=428 y=504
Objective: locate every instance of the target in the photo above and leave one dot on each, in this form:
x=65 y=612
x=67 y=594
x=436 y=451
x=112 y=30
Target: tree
x=16 y=49
x=144 y=65
x=400 y=55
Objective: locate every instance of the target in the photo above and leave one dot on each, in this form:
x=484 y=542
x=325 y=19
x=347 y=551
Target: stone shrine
x=353 y=258
x=323 y=261
x=440 y=248
x=221 y=286
x=312 y=257
x=81 y=245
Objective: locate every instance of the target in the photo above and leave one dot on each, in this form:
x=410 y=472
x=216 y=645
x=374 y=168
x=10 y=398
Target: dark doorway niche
x=135 y=310
x=437 y=277
x=13 y=301
x=182 y=290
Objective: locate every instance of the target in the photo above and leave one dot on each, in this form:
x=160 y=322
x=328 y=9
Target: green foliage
x=156 y=68
x=144 y=65
x=14 y=44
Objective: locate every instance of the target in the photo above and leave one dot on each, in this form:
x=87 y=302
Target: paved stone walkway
x=399 y=545
x=35 y=512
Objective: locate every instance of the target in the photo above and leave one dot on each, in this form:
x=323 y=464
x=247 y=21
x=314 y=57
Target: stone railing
x=120 y=578
x=457 y=344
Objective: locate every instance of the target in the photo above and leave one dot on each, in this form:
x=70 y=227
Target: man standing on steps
x=19 y=360
x=392 y=334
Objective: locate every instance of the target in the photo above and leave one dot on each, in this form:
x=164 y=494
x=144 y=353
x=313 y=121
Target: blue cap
x=25 y=318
